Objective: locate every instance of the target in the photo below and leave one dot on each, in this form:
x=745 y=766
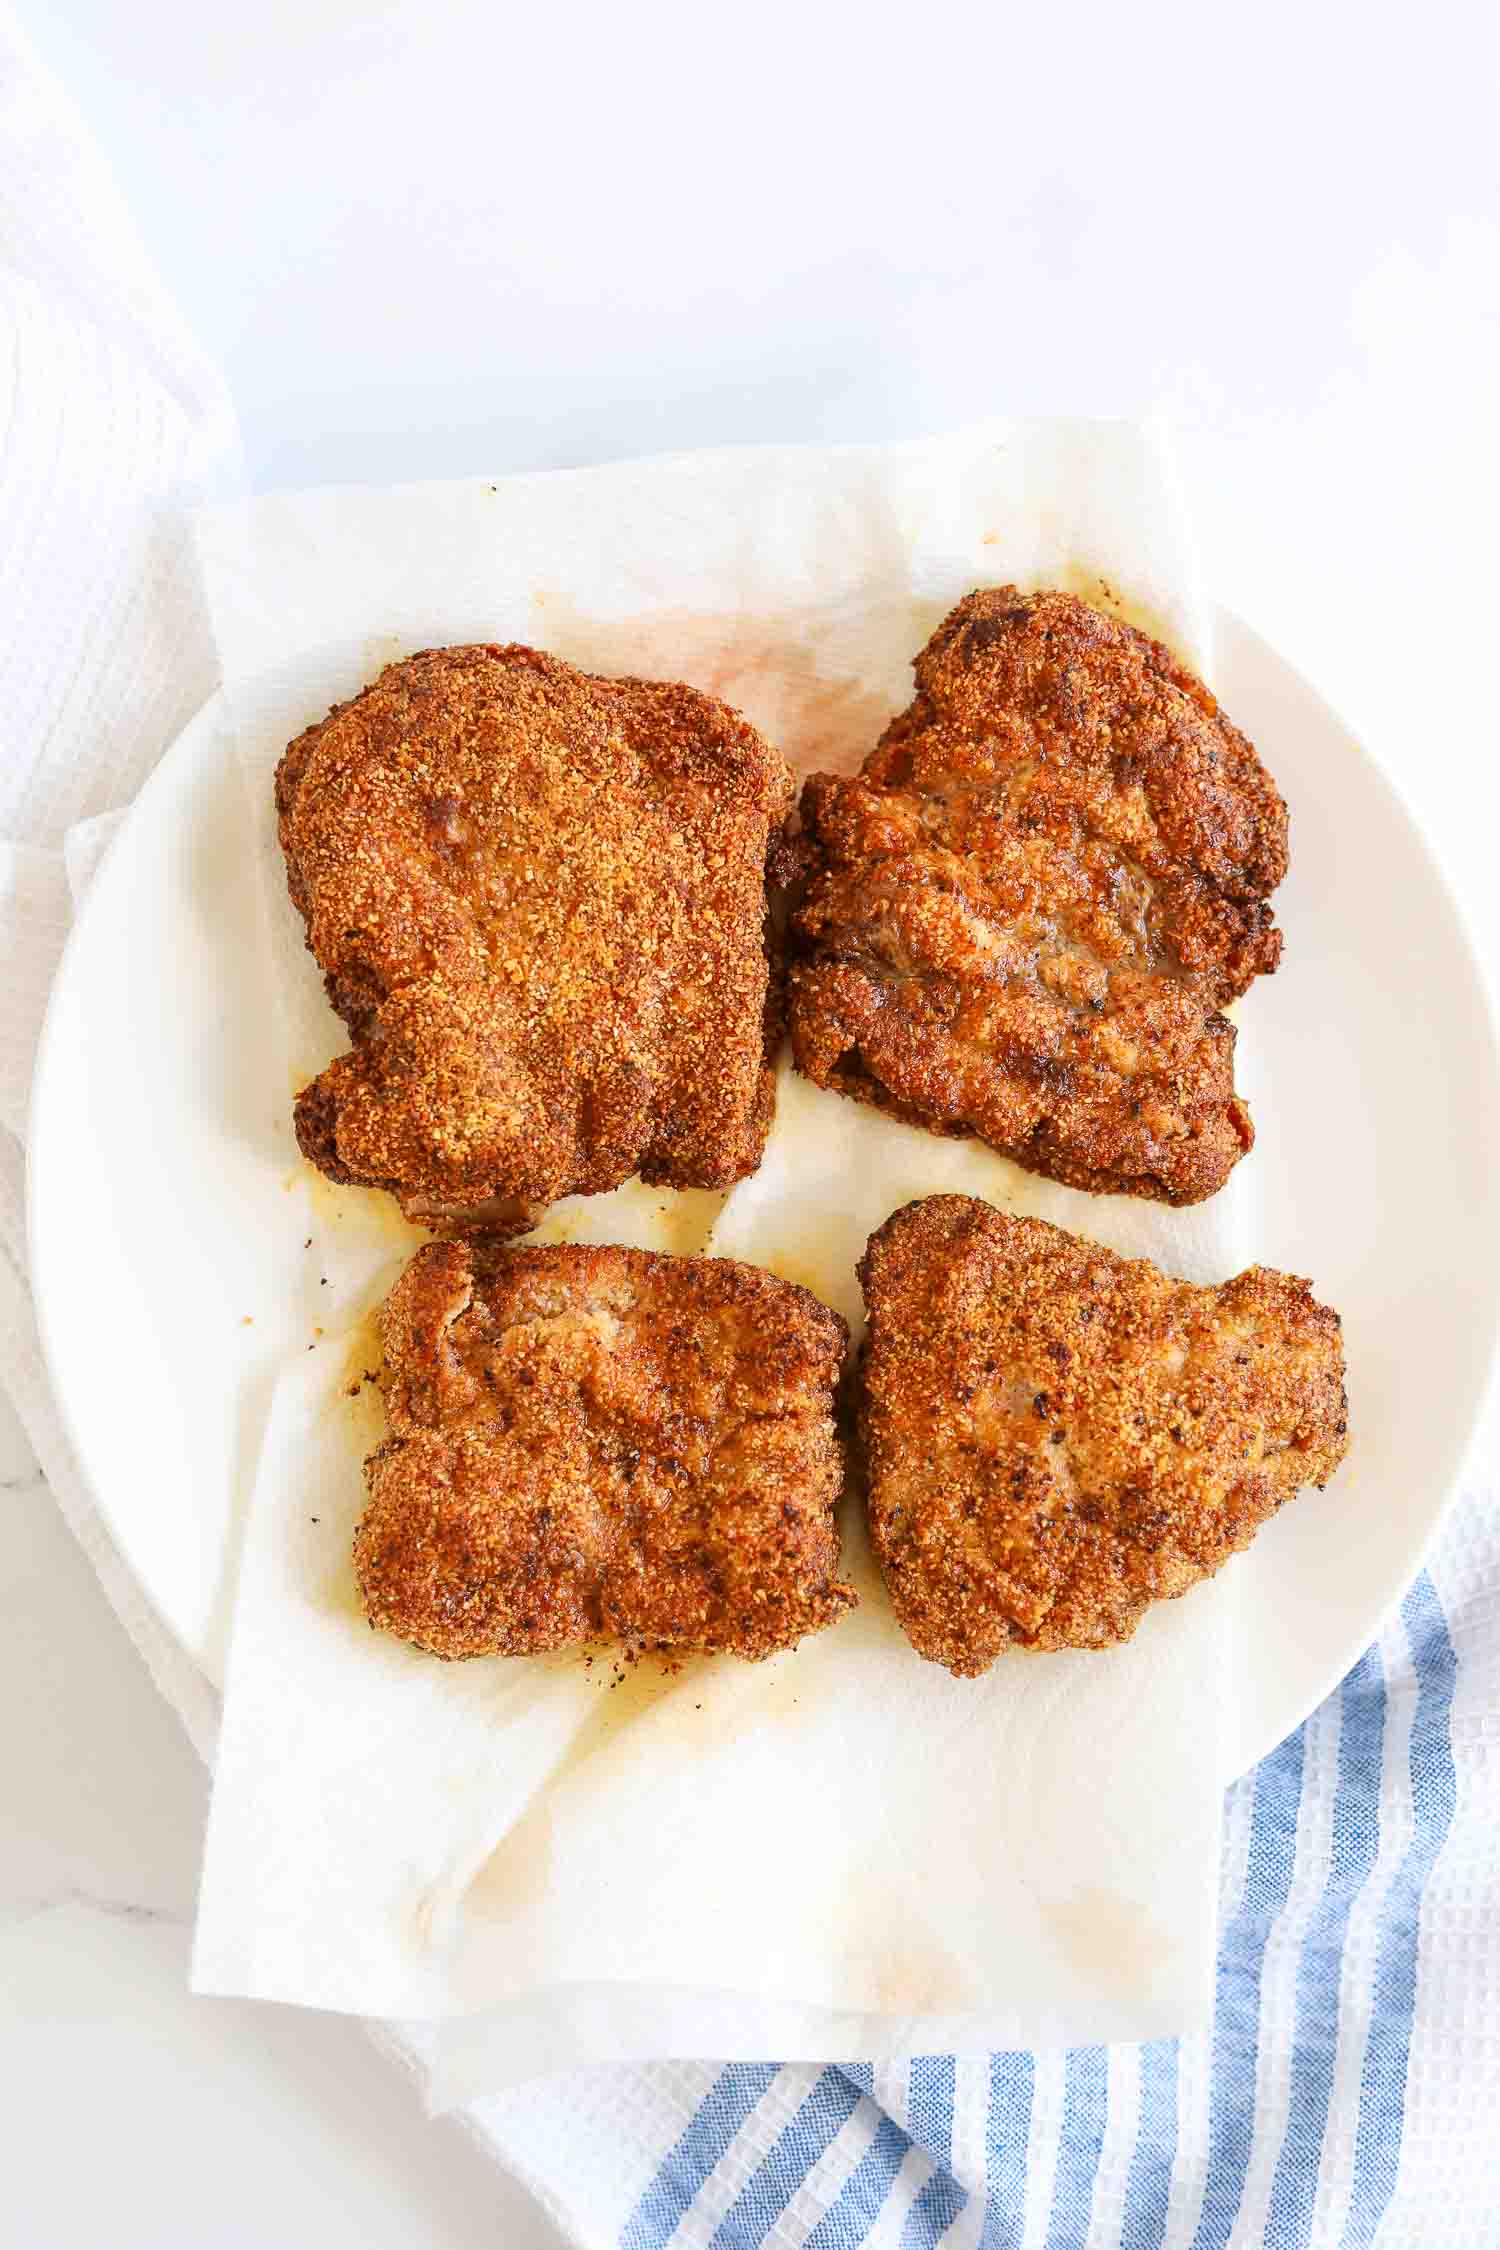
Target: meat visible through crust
x=602 y=1443
x=1026 y=912
x=1055 y=1437
x=538 y=899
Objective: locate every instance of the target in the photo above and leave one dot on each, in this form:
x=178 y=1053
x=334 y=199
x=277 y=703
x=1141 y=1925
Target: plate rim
x=1487 y=1059
x=210 y=717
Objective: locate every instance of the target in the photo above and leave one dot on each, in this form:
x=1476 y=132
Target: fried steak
x=538 y=899
x=598 y=1443
x=1026 y=913
x=1056 y=1437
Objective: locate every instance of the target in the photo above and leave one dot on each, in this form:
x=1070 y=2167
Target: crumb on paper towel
x=677 y=1221
x=369 y=1210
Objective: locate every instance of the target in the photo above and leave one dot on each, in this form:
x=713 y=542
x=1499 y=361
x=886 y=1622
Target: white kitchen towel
x=111 y=426
x=1348 y=2091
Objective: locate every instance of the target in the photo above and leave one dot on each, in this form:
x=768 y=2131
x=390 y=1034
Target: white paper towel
x=842 y=1852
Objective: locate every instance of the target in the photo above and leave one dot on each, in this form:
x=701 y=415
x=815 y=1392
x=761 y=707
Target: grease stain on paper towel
x=918 y=1980
x=707 y=1702
x=819 y=683
x=1089 y=587
x=517 y=1873
x=377 y=1215
x=686 y=1219
x=385 y=648
x=676 y=1220
x=1108 y=1940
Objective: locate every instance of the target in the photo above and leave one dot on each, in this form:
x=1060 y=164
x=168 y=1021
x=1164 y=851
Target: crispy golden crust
x=1055 y=1437
x=591 y=1443
x=538 y=899
x=1026 y=911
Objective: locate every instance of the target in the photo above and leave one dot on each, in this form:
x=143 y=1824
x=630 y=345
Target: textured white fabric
x=110 y=425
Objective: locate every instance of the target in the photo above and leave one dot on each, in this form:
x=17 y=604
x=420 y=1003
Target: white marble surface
x=430 y=240
x=136 y=2114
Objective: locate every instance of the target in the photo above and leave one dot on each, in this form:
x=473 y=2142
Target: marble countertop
x=313 y=2133
x=1319 y=321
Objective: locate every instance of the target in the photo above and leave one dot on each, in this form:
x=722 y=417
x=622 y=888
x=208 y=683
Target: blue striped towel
x=1347 y=2094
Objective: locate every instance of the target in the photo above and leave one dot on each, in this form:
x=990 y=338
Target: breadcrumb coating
x=1026 y=912
x=593 y=1443
x=539 y=902
x=1055 y=1437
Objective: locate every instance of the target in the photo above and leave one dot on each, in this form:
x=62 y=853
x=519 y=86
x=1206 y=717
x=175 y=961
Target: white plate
x=168 y=1219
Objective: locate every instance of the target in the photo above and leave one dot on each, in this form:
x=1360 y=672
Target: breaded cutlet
x=1026 y=912
x=1055 y=1437
x=539 y=902
x=596 y=1443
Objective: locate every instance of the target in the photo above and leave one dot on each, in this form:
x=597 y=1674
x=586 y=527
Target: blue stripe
x=845 y=2224
x=1278 y=1789
x=1315 y=2030
x=718 y=2118
x=1242 y=1955
x=1434 y=1791
x=824 y=2112
x=1007 y=2133
x=1148 y=2190
x=1085 y=2110
x=934 y=2082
